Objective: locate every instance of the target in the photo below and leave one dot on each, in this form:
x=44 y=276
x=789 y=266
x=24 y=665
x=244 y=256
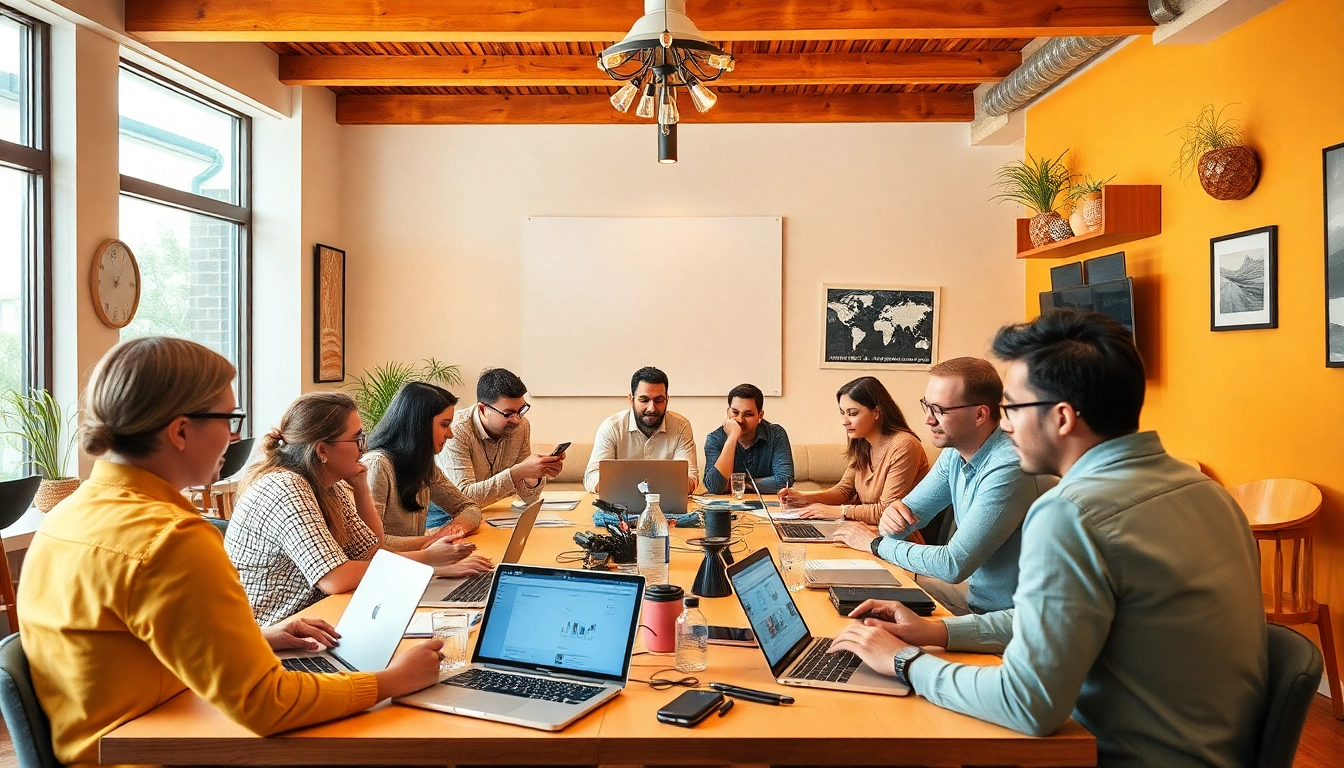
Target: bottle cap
x=650 y=497
x=691 y=602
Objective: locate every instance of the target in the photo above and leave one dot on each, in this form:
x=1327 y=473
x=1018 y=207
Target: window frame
x=34 y=158
x=240 y=214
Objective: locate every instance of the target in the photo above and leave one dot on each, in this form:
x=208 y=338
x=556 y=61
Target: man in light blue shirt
x=1138 y=601
x=977 y=474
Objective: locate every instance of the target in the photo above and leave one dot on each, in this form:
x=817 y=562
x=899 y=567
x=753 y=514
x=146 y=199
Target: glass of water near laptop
x=451 y=627
x=791 y=559
x=739 y=481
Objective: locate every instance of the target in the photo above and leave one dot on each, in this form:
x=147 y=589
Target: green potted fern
x=374 y=390
x=1086 y=199
x=1214 y=147
x=1038 y=183
x=37 y=425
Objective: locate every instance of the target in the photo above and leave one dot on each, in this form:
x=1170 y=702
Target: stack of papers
x=556 y=501
x=544 y=520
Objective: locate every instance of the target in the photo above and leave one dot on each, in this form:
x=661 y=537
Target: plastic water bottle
x=692 y=638
x=653 y=543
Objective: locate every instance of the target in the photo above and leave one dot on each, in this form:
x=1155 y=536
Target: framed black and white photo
x=1334 y=256
x=1244 y=285
x=879 y=326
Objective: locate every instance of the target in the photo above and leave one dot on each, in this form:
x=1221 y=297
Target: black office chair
x=1295 y=667
x=16 y=496
x=27 y=723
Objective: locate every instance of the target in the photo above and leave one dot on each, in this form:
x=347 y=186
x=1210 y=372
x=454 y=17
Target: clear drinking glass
x=791 y=559
x=451 y=627
x=739 y=485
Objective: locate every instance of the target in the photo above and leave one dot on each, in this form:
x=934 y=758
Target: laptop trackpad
x=494 y=703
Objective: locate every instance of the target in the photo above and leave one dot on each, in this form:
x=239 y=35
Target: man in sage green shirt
x=1137 y=608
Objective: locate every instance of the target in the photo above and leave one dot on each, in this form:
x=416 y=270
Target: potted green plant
x=1086 y=199
x=1037 y=183
x=1214 y=147
x=374 y=390
x=36 y=425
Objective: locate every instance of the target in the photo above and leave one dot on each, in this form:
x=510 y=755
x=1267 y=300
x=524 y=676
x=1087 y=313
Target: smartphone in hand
x=561 y=448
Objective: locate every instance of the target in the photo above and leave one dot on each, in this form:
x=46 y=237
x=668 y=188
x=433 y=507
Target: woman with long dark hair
x=128 y=597
x=885 y=457
x=403 y=477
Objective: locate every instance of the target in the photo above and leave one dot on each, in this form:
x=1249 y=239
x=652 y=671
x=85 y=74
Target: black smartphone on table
x=561 y=448
x=690 y=708
x=732 y=636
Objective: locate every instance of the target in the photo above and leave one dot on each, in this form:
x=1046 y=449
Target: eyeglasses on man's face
x=1010 y=408
x=360 y=440
x=235 y=419
x=939 y=411
x=518 y=414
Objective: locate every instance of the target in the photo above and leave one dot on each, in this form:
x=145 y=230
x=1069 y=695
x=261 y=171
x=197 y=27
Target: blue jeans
x=436 y=518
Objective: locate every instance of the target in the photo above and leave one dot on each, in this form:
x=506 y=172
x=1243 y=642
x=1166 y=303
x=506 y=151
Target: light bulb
x=701 y=97
x=614 y=60
x=721 y=61
x=667 y=108
x=646 y=102
x=665 y=39
x=623 y=98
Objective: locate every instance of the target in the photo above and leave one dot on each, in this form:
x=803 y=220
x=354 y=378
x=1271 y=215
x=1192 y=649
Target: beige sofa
x=815 y=466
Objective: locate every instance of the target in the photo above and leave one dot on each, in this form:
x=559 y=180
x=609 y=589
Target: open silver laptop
x=618 y=482
x=470 y=592
x=554 y=645
x=794 y=655
x=374 y=620
x=791 y=531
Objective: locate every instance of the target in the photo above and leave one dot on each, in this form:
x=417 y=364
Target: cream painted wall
x=433 y=221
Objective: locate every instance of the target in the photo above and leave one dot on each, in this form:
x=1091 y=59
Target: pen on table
x=725 y=706
x=764 y=697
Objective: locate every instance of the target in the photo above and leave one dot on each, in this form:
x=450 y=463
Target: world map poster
x=880 y=327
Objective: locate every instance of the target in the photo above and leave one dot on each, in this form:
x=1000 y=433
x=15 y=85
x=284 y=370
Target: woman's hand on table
x=791 y=497
x=446 y=551
x=414 y=670
x=300 y=635
x=819 y=512
x=468 y=567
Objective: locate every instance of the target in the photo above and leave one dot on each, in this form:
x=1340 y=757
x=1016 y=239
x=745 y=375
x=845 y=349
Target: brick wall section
x=212 y=272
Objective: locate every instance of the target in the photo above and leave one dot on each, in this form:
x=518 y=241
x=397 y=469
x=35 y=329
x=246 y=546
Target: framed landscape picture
x=879 y=326
x=1243 y=284
x=328 y=314
x=1334 y=256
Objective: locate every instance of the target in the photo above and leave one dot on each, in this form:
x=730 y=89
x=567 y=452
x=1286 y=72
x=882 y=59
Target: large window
x=25 y=228
x=185 y=214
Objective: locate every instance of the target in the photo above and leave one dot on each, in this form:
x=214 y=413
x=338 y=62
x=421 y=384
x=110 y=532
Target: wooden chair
x=16 y=496
x=1285 y=512
x=235 y=458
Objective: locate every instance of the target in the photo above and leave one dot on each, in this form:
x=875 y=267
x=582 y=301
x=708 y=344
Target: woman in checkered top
x=305 y=525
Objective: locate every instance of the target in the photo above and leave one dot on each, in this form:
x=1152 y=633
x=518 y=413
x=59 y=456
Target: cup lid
x=663 y=593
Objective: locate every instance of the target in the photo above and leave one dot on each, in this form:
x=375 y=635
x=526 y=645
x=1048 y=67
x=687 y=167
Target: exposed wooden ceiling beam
x=752 y=69
x=608 y=20
x=359 y=109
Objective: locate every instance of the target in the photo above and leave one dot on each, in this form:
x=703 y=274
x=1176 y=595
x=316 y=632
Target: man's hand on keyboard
x=413 y=670
x=300 y=635
x=875 y=645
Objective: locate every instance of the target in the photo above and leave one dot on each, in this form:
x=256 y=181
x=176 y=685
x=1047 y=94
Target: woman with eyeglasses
x=886 y=459
x=305 y=525
x=128 y=595
x=403 y=477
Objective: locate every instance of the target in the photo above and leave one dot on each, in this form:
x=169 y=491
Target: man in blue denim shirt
x=747 y=440
x=1137 y=608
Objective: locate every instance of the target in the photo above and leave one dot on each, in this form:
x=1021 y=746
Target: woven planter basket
x=1048 y=228
x=1229 y=173
x=52 y=492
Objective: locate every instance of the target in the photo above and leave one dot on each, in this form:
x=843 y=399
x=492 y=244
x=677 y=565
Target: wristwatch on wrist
x=901 y=662
x=874 y=544
x=844 y=511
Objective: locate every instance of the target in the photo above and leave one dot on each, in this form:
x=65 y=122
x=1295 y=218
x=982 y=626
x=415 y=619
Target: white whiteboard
x=699 y=298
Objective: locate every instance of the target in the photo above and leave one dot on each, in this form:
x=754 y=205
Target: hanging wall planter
x=1212 y=146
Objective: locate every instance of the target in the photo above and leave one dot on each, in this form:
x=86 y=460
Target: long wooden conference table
x=822 y=728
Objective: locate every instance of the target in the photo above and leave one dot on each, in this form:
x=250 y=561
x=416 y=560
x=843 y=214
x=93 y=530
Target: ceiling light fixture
x=664 y=51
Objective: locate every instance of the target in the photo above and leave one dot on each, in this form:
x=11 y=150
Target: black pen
x=763 y=697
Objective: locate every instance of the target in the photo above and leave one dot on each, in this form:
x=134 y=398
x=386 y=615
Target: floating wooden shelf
x=1129 y=212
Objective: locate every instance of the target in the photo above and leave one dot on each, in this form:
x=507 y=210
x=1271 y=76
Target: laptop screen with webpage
x=773 y=615
x=559 y=620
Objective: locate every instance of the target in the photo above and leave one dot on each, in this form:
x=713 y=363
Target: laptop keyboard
x=473 y=590
x=309 y=664
x=800 y=531
x=831 y=667
x=524 y=686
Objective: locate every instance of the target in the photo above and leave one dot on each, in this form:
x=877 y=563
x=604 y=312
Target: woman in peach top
x=886 y=460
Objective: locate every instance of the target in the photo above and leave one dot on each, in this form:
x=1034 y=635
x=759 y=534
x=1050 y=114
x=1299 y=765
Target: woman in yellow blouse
x=886 y=460
x=128 y=596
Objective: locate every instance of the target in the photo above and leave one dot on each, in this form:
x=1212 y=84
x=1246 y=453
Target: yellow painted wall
x=1247 y=404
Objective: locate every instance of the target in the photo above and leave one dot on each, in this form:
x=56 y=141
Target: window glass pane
x=14 y=76
x=176 y=141
x=15 y=257
x=188 y=275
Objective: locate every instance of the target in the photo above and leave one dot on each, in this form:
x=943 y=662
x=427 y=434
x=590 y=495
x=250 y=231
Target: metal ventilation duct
x=1052 y=63
x=1163 y=11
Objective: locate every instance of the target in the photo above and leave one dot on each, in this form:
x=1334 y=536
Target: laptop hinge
x=536 y=671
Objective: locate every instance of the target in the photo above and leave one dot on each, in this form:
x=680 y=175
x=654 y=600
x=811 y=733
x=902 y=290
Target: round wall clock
x=114 y=281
